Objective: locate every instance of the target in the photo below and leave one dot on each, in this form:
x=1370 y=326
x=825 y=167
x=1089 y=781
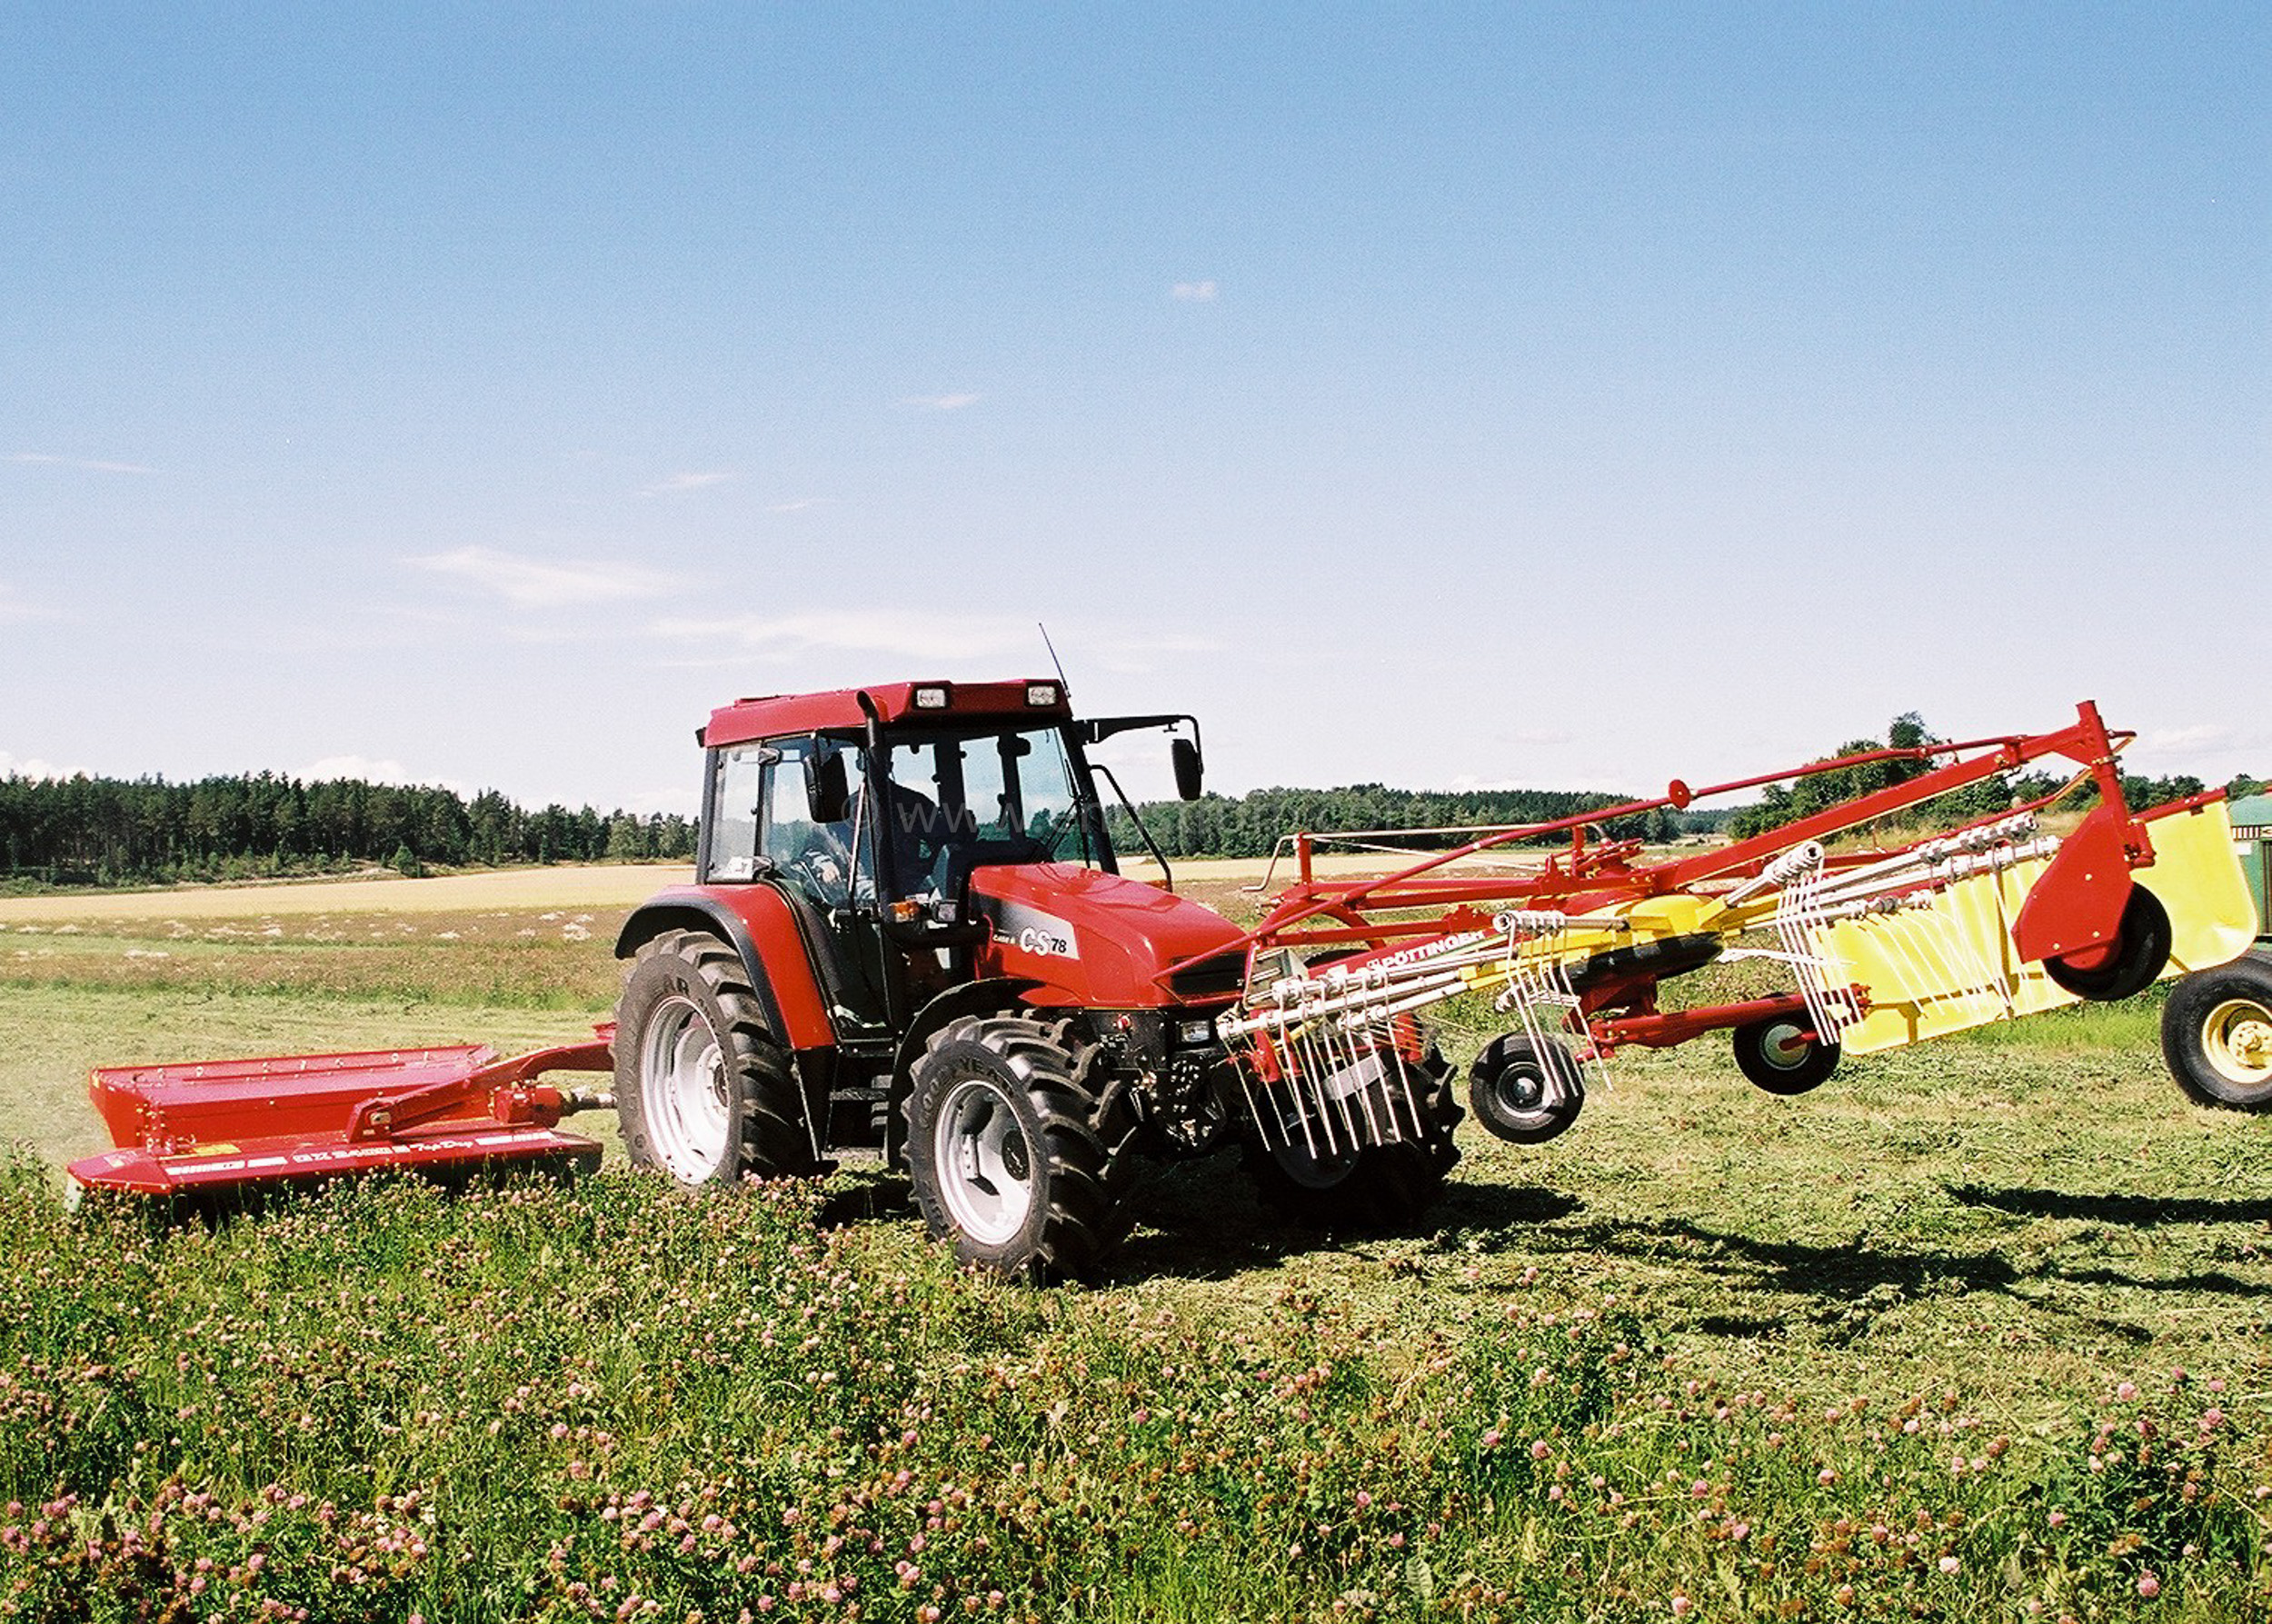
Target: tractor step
x=211 y=1126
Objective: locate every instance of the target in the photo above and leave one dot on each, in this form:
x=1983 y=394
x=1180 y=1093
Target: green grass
x=550 y=961
x=1608 y=1379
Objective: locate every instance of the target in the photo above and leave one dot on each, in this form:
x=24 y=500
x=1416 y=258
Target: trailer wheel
x=1374 y=1189
x=2217 y=1034
x=1507 y=1086
x=1019 y=1150
x=2130 y=963
x=1782 y=1054
x=704 y=1092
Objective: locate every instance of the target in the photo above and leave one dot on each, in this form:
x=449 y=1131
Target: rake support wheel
x=1508 y=1087
x=1020 y=1146
x=2127 y=964
x=1377 y=1189
x=1781 y=1055
x=704 y=1090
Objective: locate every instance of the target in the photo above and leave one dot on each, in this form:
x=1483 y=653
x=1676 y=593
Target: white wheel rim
x=1784 y=1047
x=986 y=1166
x=2237 y=1038
x=682 y=1084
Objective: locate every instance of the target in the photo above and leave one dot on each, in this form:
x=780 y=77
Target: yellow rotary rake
x=1881 y=947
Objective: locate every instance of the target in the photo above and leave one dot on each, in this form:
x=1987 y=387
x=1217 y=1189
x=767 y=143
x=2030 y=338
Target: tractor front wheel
x=2217 y=1034
x=703 y=1091
x=1018 y=1152
x=1368 y=1190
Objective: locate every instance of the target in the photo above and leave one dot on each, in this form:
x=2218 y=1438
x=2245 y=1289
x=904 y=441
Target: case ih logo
x=1031 y=930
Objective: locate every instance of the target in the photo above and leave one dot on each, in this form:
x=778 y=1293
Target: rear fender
x=758 y=923
x=972 y=998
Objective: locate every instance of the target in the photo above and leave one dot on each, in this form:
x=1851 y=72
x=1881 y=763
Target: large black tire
x=1378 y=1190
x=1020 y=1146
x=1779 y=1054
x=1508 y=1088
x=2138 y=954
x=703 y=1091
x=2216 y=1033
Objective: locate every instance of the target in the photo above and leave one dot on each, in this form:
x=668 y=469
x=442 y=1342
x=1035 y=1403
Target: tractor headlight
x=930 y=698
x=1040 y=693
x=1195 y=1034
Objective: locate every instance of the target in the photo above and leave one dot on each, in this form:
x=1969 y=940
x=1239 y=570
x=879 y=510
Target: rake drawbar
x=208 y=1127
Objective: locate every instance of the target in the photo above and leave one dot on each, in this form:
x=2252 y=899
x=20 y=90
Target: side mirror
x=1184 y=755
x=827 y=796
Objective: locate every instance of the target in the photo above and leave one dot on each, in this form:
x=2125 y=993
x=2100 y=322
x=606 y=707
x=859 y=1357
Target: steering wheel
x=826 y=861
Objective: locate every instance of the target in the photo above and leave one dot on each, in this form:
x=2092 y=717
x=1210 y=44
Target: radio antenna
x=1063 y=684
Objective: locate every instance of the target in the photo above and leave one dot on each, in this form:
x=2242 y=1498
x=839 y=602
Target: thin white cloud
x=2212 y=751
x=954 y=643
x=1194 y=293
x=801 y=505
x=385 y=770
x=2177 y=740
x=678 y=484
x=547 y=584
x=677 y=800
x=84 y=464
x=14 y=608
x=15 y=766
x=1137 y=655
x=940 y=403
x=900 y=633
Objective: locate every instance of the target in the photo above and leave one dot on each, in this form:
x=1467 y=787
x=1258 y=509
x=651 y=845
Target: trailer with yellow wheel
x=2216 y=1028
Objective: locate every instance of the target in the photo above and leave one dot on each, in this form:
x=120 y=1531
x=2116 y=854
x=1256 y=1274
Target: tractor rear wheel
x=2217 y=1034
x=1372 y=1189
x=703 y=1091
x=1019 y=1147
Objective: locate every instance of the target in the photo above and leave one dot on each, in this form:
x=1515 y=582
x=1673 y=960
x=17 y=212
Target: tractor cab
x=871 y=812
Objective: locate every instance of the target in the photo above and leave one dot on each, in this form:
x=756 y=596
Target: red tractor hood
x=1097 y=940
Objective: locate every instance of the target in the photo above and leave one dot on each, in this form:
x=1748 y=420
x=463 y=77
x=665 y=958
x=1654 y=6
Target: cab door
x=826 y=868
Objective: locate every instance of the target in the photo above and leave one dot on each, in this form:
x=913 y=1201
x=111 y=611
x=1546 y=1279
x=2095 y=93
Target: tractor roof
x=771 y=716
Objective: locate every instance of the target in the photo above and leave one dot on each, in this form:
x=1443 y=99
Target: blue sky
x=1567 y=396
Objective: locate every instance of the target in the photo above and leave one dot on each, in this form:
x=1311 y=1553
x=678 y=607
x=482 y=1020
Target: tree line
x=84 y=831
x=1249 y=825
x=1787 y=803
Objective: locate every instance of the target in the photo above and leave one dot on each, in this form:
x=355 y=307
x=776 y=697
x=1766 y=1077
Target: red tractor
x=909 y=930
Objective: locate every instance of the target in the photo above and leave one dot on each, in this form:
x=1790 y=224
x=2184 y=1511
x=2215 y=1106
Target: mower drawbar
x=213 y=1128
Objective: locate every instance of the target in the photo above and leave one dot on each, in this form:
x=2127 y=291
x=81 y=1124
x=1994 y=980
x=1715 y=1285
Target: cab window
x=819 y=859
x=734 y=812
